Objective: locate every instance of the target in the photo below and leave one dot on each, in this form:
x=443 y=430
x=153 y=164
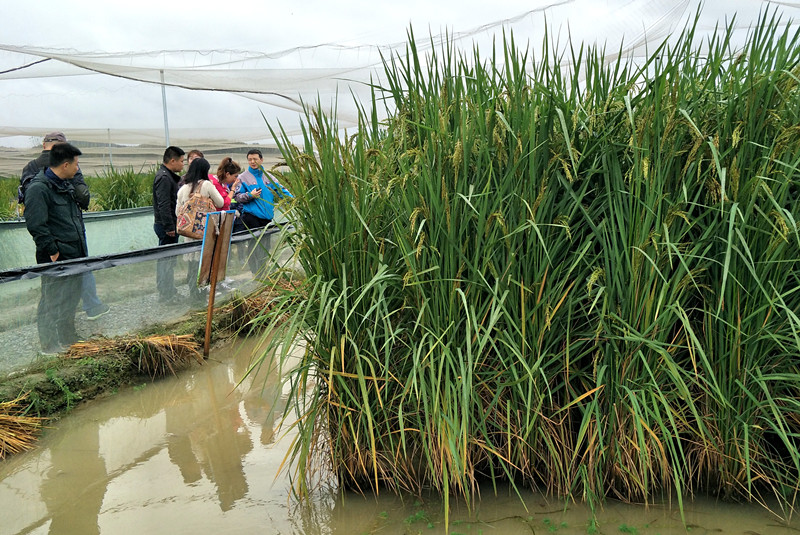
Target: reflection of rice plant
x=117 y=189
x=584 y=281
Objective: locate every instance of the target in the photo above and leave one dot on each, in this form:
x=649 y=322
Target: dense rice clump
x=584 y=278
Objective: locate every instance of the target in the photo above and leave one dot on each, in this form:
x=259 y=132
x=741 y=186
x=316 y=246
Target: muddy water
x=198 y=454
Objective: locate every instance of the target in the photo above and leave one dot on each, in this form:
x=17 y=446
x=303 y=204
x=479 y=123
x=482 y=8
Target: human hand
x=170 y=233
x=54 y=257
x=256 y=193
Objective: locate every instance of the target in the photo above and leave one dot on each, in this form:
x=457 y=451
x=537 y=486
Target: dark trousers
x=192 y=266
x=55 y=316
x=165 y=267
x=89 y=299
x=259 y=250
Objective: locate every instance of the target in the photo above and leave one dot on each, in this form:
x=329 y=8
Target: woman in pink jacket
x=227 y=180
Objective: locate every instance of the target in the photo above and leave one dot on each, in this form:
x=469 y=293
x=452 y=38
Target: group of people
x=252 y=193
x=55 y=193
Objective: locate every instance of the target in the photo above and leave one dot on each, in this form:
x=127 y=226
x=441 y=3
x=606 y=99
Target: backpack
x=30 y=171
x=191 y=220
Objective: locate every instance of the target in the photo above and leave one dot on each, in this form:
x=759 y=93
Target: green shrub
x=8 y=197
x=118 y=189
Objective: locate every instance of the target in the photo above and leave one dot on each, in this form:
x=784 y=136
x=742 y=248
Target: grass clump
x=583 y=279
x=8 y=198
x=119 y=189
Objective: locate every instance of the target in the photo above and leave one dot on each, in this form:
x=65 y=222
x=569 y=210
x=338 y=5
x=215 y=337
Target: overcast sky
x=99 y=101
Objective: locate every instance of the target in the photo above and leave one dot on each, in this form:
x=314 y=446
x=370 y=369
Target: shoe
x=97 y=311
x=52 y=351
x=164 y=297
x=174 y=301
x=225 y=287
x=168 y=297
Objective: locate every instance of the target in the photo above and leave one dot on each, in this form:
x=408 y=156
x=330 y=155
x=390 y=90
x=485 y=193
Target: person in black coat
x=54 y=220
x=92 y=305
x=165 y=197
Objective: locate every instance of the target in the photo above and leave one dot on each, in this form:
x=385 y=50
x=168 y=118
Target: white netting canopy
x=228 y=94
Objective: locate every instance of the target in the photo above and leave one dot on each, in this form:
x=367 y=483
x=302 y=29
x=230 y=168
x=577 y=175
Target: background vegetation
x=557 y=272
x=114 y=189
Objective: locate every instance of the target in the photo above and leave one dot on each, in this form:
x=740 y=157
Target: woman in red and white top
x=227 y=180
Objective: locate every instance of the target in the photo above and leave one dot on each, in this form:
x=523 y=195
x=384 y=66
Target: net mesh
x=329 y=74
x=128 y=288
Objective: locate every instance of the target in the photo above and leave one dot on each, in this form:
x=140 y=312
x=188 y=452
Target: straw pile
x=153 y=355
x=18 y=431
x=247 y=314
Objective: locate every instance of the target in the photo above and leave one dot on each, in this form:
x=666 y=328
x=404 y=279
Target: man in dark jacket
x=92 y=306
x=165 y=197
x=54 y=219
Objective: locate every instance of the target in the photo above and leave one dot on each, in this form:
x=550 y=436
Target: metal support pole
x=110 y=156
x=164 y=103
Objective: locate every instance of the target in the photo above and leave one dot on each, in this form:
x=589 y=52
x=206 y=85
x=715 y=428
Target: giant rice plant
x=556 y=272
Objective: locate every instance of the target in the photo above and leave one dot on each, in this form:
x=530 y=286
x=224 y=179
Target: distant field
x=97 y=159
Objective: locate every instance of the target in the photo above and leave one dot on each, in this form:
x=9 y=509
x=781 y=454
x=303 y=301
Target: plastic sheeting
x=109 y=232
x=126 y=282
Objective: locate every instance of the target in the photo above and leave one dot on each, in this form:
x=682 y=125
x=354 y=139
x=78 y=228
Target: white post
x=164 y=103
x=110 y=156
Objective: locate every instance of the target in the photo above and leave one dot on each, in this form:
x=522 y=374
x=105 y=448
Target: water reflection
x=74 y=486
x=199 y=454
x=176 y=446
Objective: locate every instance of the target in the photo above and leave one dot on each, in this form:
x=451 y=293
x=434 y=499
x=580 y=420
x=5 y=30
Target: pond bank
x=52 y=386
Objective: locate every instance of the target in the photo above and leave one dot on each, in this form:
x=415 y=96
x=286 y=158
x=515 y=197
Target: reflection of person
x=75 y=486
x=91 y=304
x=256 y=197
x=165 y=198
x=54 y=220
x=207 y=435
x=196 y=181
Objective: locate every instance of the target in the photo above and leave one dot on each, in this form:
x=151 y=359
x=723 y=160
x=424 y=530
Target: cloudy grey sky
x=99 y=101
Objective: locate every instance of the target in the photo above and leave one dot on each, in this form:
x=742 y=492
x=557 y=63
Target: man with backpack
x=91 y=304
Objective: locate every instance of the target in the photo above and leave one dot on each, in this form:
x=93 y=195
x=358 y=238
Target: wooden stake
x=226 y=221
